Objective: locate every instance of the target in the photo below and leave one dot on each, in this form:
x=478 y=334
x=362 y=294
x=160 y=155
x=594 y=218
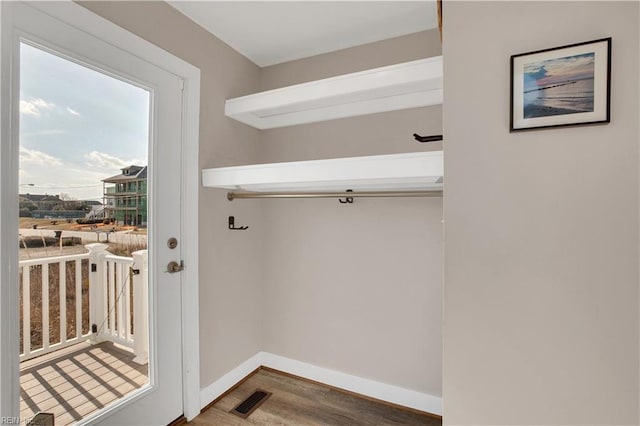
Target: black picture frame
x=562 y=86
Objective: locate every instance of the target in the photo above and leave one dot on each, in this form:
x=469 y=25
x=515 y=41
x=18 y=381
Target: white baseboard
x=226 y=382
x=366 y=387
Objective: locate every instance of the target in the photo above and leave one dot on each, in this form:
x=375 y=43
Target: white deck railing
x=117 y=291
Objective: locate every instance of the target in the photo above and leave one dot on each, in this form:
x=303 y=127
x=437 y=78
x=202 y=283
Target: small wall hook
x=347 y=200
x=232 y=225
x=423 y=139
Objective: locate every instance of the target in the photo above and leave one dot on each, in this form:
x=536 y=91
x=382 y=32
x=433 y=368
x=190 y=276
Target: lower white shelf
x=403 y=172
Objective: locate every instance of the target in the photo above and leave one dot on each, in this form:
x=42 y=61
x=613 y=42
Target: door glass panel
x=84 y=138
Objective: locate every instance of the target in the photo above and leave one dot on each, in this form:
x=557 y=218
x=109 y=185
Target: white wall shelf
x=406 y=172
x=400 y=86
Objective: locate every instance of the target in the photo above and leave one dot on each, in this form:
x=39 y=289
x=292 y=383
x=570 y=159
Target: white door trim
x=9 y=374
x=87 y=21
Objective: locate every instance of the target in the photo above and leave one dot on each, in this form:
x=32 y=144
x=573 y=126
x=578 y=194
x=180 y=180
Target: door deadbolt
x=172 y=243
x=174 y=267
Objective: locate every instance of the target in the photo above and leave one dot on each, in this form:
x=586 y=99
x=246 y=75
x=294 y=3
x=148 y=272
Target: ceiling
x=269 y=33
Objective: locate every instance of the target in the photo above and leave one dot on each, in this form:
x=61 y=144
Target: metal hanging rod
x=426 y=193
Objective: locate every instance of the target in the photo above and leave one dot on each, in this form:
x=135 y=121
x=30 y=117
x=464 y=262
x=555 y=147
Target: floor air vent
x=246 y=407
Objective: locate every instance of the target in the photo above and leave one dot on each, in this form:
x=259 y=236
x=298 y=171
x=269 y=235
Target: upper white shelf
x=406 y=85
x=413 y=171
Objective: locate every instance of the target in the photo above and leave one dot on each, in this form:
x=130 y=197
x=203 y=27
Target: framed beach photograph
x=563 y=86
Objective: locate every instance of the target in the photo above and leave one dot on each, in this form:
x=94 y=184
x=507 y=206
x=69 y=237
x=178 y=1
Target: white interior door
x=162 y=400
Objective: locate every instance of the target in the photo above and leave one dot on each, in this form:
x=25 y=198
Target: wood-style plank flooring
x=74 y=382
x=299 y=402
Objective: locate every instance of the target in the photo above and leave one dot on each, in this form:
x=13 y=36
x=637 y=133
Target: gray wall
x=392 y=51
x=353 y=288
x=541 y=228
x=356 y=288
x=230 y=262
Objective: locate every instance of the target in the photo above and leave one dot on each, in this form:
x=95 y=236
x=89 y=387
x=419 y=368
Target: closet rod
x=426 y=193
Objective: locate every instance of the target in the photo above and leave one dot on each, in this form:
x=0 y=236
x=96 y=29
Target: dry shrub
x=126 y=250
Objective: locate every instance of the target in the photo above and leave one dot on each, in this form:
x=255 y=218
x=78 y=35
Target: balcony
x=74 y=382
x=127 y=192
x=84 y=344
x=110 y=208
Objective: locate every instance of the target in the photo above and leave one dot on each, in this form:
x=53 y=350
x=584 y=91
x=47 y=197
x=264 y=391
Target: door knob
x=174 y=267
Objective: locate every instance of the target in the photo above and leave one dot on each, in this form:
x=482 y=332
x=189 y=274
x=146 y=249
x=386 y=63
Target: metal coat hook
x=347 y=200
x=232 y=225
x=423 y=139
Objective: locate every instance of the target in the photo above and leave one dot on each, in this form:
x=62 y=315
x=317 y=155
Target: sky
x=77 y=126
x=558 y=70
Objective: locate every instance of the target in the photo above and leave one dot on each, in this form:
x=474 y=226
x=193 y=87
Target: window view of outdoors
x=83 y=217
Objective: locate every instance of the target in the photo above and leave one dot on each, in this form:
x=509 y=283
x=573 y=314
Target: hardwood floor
x=300 y=402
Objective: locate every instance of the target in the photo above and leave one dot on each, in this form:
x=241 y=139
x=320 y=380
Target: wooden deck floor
x=74 y=382
x=299 y=402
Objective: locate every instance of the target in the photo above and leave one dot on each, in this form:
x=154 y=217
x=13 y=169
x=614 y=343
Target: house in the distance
x=125 y=196
x=97 y=210
x=54 y=206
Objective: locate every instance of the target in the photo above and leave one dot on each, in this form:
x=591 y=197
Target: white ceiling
x=273 y=32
